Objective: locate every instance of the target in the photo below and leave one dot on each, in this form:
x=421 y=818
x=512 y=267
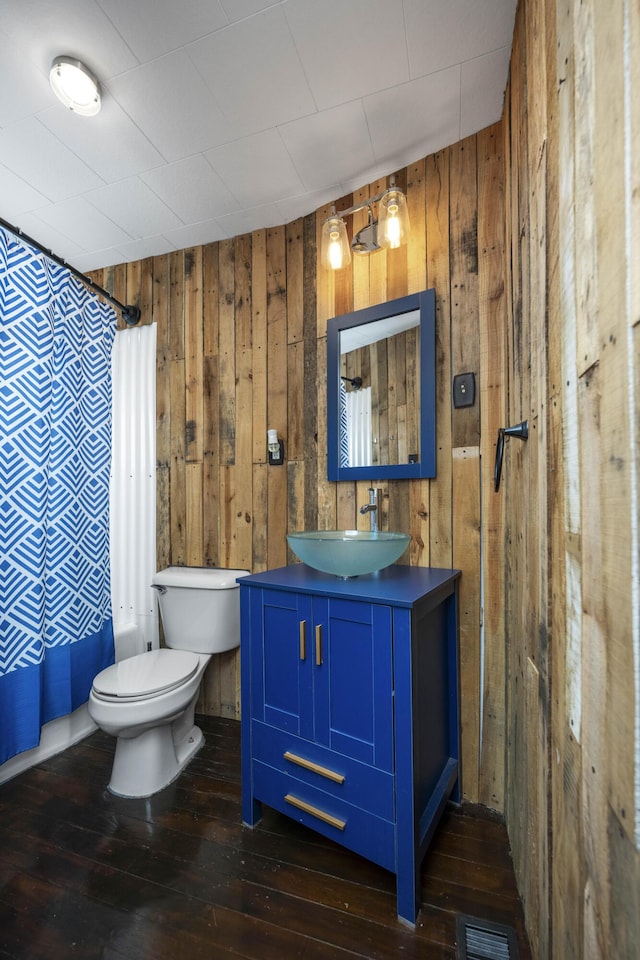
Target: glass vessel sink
x=348 y=553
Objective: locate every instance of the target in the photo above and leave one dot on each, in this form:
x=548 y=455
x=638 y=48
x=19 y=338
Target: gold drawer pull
x=303 y=639
x=314 y=767
x=319 y=645
x=315 y=811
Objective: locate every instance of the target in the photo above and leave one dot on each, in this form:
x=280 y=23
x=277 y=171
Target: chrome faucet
x=372 y=509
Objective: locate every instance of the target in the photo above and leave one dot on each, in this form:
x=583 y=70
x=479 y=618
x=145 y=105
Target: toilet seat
x=146 y=675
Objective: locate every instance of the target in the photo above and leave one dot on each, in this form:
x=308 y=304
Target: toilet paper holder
x=519 y=430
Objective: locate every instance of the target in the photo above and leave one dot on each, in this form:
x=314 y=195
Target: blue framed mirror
x=381 y=396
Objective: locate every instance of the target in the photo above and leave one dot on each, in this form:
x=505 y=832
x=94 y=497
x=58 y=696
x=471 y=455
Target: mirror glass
x=381 y=391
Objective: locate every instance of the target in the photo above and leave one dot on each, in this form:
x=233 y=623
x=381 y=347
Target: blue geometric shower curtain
x=55 y=448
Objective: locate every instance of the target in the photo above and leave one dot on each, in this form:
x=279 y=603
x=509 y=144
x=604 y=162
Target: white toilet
x=148 y=701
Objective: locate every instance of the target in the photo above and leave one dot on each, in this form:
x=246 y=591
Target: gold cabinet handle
x=303 y=639
x=319 y=645
x=315 y=811
x=314 y=767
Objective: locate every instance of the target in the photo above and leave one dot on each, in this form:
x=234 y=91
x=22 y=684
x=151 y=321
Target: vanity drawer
x=361 y=831
x=342 y=777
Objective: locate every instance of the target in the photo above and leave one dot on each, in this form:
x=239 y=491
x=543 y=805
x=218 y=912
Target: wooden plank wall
x=571 y=559
x=242 y=348
x=530 y=234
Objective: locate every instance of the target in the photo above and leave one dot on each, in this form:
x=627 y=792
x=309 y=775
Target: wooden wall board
x=438 y=227
x=312 y=386
x=176 y=305
x=193 y=353
x=566 y=772
x=276 y=330
x=565 y=867
x=296 y=344
x=259 y=344
x=492 y=366
x=194 y=525
x=416 y=271
x=260 y=506
x=466 y=556
x=295 y=496
x=584 y=206
x=346 y=505
x=533 y=895
x=398 y=510
x=568 y=894
x=177 y=503
x=227 y=352
x=244 y=402
x=419 y=522
x=295 y=400
x=594 y=791
x=513 y=134
x=515 y=735
x=465 y=346
x=163 y=412
x=618 y=512
x=210 y=300
x=326 y=504
x=534 y=451
x=277 y=391
x=211 y=464
x=294 y=233
x=159 y=276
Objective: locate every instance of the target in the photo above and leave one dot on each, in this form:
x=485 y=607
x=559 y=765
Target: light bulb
x=393 y=226
x=335 y=250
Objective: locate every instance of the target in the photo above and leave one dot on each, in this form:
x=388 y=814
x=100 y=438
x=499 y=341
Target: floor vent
x=483 y=940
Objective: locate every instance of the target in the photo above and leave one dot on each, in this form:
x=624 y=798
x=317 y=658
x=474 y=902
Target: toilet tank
x=199 y=607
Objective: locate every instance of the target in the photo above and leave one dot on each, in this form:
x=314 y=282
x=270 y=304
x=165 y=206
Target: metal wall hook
x=519 y=430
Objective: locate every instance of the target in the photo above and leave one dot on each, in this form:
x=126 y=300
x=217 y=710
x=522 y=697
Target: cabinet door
x=322 y=670
x=282 y=657
x=353 y=683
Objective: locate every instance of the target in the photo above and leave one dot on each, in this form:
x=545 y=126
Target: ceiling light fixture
x=390 y=230
x=75 y=86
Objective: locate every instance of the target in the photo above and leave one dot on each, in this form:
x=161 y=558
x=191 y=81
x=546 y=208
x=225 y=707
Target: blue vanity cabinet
x=350 y=708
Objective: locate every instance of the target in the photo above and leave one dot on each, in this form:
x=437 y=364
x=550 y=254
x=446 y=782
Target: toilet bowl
x=148 y=701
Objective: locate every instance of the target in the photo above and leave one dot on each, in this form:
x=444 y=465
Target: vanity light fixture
x=390 y=230
x=75 y=86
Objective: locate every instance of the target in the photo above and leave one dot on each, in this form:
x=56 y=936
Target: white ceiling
x=224 y=116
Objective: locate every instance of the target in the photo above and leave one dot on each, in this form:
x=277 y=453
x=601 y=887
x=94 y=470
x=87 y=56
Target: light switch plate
x=464 y=390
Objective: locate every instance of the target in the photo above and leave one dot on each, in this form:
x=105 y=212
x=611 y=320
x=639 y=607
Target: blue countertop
x=398 y=585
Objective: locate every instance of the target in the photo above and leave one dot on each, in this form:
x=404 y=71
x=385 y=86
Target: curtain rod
x=130 y=314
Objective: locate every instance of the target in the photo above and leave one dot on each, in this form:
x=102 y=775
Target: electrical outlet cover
x=464 y=390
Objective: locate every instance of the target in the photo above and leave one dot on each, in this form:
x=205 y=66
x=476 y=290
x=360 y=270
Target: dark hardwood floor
x=86 y=875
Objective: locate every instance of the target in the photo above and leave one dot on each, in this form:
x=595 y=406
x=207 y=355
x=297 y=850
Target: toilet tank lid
x=198 y=578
